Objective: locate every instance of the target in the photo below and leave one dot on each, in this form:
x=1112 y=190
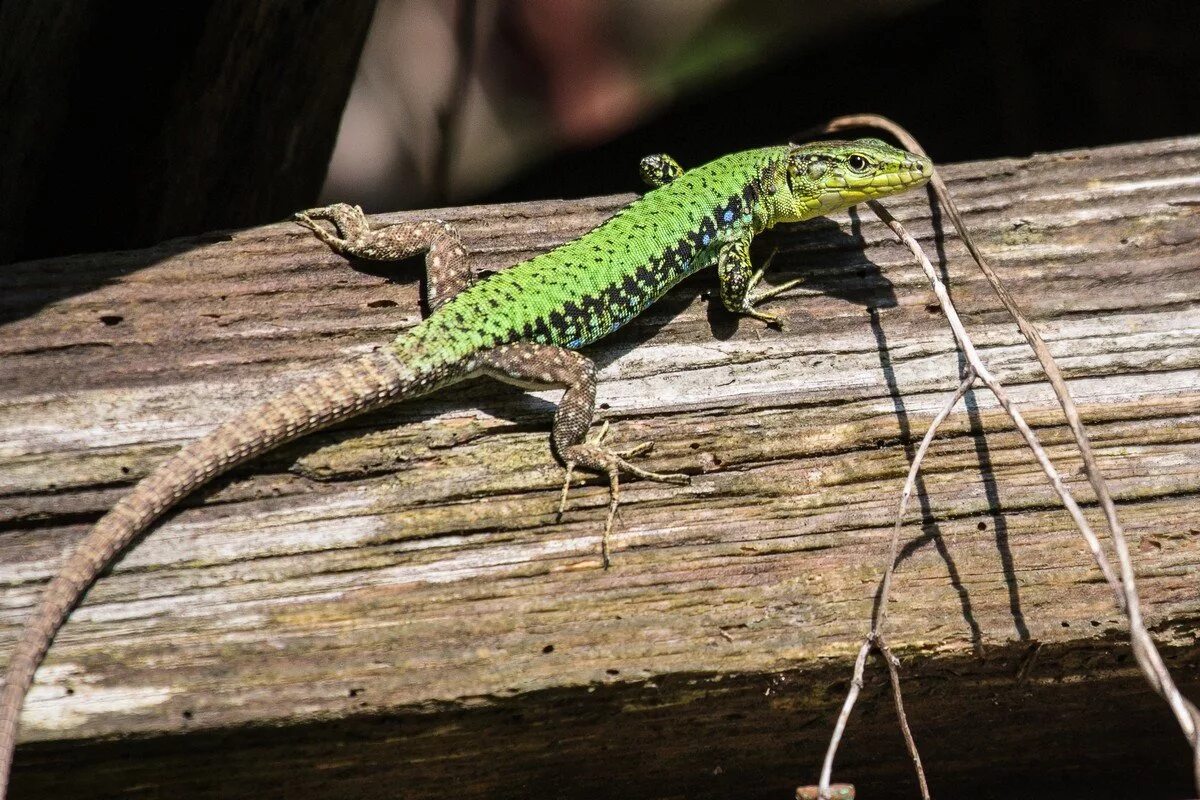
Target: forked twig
x=985 y=375
x=1148 y=657
x=839 y=727
x=875 y=637
x=893 y=667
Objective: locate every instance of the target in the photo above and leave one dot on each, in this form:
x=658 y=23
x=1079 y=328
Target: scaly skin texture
x=522 y=325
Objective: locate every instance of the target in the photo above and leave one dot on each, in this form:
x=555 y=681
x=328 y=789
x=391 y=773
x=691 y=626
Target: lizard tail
x=360 y=385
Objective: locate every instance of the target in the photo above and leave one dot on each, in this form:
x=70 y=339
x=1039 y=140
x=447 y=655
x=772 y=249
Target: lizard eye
x=857 y=163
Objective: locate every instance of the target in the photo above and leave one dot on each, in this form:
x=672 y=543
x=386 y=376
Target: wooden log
x=390 y=609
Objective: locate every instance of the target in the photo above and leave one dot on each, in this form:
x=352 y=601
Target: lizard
x=523 y=325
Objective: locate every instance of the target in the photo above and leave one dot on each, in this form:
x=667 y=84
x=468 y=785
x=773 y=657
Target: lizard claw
x=349 y=221
x=594 y=456
x=776 y=321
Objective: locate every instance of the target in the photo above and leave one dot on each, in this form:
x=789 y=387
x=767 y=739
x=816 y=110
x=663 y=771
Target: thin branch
x=875 y=636
x=972 y=356
x=1031 y=334
x=841 y=791
x=1124 y=588
x=839 y=728
x=1144 y=649
x=893 y=667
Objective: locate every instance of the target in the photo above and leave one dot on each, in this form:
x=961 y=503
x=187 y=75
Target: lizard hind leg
x=533 y=366
x=447 y=268
x=659 y=170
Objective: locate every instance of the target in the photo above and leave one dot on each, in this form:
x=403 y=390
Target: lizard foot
x=350 y=222
x=594 y=456
x=753 y=298
x=776 y=321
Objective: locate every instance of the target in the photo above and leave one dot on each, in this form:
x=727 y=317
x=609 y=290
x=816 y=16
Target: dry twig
x=1148 y=657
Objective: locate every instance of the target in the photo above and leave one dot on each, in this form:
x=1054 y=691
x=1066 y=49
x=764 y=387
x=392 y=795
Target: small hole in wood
x=111 y=319
x=548 y=649
x=605 y=406
x=355 y=692
x=982 y=526
x=612 y=671
x=694 y=445
x=382 y=304
x=187 y=714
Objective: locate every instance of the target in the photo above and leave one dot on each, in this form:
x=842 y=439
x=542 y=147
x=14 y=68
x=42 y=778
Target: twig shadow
x=982 y=452
x=930 y=531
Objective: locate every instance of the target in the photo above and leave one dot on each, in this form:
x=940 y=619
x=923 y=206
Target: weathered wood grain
x=389 y=609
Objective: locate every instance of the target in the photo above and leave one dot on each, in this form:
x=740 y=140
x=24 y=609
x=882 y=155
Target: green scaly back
x=587 y=288
x=590 y=287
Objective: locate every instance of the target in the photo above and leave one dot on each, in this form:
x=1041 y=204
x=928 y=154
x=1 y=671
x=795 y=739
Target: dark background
x=972 y=80
x=127 y=124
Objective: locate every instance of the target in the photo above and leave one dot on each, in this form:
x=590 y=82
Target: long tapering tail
x=357 y=386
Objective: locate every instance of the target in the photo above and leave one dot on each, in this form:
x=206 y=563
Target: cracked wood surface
x=391 y=603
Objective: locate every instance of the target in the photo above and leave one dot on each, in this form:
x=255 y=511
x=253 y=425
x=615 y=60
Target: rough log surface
x=388 y=609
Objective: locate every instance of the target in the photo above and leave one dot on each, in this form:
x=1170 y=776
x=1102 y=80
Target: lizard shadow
x=847 y=273
x=930 y=530
x=833 y=263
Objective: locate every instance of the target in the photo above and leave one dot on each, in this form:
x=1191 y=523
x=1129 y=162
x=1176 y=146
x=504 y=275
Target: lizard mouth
x=917 y=170
x=841 y=193
x=910 y=173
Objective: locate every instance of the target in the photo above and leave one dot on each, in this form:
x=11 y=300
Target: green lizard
x=523 y=325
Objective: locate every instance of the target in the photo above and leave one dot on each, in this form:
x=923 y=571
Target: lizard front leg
x=736 y=273
x=738 y=279
x=447 y=271
x=537 y=366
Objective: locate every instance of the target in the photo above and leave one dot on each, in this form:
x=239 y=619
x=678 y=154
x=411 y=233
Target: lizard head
x=829 y=176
